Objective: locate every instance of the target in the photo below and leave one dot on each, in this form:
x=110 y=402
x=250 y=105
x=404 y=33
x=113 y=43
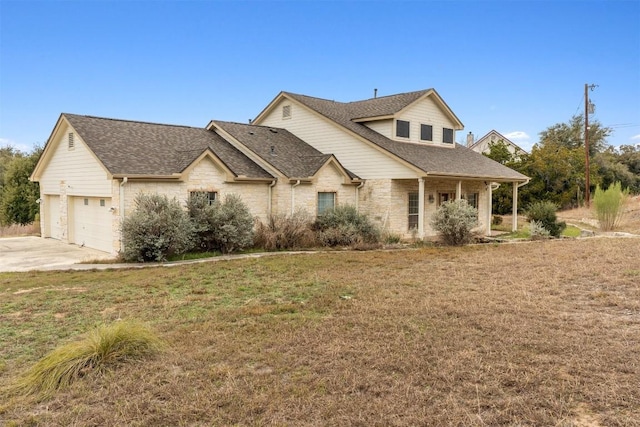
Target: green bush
x=454 y=221
x=609 y=205
x=105 y=346
x=156 y=229
x=544 y=212
x=225 y=226
x=538 y=231
x=282 y=232
x=344 y=226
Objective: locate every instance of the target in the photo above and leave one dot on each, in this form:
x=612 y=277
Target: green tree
x=571 y=135
x=18 y=201
x=499 y=151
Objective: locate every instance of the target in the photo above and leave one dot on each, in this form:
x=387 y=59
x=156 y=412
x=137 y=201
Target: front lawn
x=542 y=333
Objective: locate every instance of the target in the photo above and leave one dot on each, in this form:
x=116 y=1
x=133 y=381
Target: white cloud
x=517 y=136
x=636 y=137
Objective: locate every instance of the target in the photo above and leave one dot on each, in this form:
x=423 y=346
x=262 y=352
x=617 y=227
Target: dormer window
x=70 y=141
x=402 y=129
x=447 y=136
x=286 y=111
x=426 y=133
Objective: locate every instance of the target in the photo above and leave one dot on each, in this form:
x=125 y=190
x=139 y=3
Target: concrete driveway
x=34 y=253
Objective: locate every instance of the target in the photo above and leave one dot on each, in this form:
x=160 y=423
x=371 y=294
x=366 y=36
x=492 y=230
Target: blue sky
x=514 y=66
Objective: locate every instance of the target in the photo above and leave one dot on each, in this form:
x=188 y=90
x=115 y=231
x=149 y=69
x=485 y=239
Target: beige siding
x=83 y=174
x=357 y=156
x=383 y=127
x=425 y=112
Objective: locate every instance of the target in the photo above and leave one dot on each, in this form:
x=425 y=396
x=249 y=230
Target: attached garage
x=90 y=224
x=52 y=217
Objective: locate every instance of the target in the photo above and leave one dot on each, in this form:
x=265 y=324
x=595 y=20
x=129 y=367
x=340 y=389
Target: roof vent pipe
x=273 y=150
x=375 y=93
x=250 y=121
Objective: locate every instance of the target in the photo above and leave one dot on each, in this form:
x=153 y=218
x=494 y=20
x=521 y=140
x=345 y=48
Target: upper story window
x=286 y=111
x=402 y=128
x=426 y=133
x=70 y=141
x=447 y=135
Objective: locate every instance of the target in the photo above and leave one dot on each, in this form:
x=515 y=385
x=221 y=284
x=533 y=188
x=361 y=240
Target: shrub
x=344 y=226
x=609 y=205
x=156 y=229
x=282 y=232
x=538 y=231
x=105 y=346
x=455 y=221
x=544 y=212
x=225 y=226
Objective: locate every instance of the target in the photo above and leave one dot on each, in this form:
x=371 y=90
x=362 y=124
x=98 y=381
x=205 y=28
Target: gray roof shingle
x=139 y=148
x=432 y=159
x=279 y=147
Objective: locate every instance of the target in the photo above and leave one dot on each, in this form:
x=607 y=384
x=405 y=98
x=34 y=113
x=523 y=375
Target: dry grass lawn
x=534 y=334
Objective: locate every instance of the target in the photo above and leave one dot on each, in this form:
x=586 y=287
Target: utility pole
x=587 y=107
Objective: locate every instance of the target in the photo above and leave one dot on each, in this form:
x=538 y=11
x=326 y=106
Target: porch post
x=421 y=207
x=489 y=203
x=459 y=190
x=514 y=227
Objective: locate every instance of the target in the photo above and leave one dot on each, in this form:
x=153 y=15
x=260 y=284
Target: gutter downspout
x=358 y=194
x=293 y=196
x=270 y=207
x=124 y=181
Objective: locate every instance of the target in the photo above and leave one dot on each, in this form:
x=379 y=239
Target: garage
x=91 y=223
x=52 y=217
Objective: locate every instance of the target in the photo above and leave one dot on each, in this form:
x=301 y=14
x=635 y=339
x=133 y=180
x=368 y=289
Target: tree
x=18 y=202
x=571 y=135
x=499 y=151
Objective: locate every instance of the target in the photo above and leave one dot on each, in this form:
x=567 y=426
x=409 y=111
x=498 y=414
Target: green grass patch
x=571 y=231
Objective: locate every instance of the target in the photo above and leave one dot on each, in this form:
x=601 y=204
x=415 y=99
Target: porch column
x=489 y=203
x=421 y=207
x=514 y=227
x=459 y=190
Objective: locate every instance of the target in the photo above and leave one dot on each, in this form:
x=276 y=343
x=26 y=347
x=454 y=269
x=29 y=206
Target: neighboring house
x=483 y=145
x=392 y=157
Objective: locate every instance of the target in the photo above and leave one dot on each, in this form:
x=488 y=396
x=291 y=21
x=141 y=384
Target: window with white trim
x=326 y=202
x=414 y=211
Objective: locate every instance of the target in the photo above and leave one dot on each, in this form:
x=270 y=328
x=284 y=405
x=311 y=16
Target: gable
x=76 y=167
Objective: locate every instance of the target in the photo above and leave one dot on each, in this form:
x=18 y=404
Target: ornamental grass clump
x=454 y=221
x=282 y=232
x=609 y=205
x=105 y=346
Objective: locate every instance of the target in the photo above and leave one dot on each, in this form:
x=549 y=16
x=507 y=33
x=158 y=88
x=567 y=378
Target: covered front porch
x=421 y=198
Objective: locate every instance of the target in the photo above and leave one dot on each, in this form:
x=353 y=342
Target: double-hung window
x=426 y=133
x=209 y=196
x=413 y=211
x=447 y=135
x=326 y=202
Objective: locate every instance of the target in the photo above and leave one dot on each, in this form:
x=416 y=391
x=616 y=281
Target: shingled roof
x=431 y=159
x=138 y=148
x=293 y=157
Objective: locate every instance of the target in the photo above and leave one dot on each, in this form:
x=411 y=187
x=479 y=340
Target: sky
x=514 y=66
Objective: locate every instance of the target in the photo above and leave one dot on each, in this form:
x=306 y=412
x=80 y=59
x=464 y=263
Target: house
x=483 y=145
x=392 y=157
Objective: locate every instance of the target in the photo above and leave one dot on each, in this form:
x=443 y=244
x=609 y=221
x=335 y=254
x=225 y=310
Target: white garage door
x=92 y=223
x=52 y=217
